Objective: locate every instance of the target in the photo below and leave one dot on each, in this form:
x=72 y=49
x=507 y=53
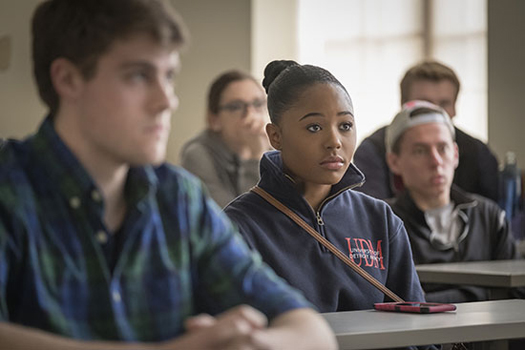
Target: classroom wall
x=220 y=40
x=265 y=47
x=506 y=77
x=236 y=33
x=226 y=34
x=20 y=108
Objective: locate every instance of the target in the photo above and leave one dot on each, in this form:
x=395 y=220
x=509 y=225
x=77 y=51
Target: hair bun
x=273 y=69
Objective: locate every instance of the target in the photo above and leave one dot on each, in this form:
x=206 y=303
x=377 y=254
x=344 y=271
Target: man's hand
x=237 y=328
x=242 y=327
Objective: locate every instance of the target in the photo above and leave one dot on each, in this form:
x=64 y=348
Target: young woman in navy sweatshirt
x=313 y=132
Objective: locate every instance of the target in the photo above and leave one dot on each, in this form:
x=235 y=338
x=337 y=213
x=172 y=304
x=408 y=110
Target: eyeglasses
x=238 y=107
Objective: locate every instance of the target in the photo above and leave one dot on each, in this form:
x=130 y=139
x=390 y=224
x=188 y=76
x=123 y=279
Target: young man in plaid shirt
x=102 y=245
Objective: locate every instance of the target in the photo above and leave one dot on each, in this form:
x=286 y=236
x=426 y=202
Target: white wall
x=506 y=77
x=274 y=33
x=20 y=108
x=220 y=40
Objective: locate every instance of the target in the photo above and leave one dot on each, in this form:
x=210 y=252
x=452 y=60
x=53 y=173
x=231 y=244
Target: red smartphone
x=415 y=307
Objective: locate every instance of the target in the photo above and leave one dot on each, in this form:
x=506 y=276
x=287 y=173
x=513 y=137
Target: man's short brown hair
x=83 y=30
x=427 y=70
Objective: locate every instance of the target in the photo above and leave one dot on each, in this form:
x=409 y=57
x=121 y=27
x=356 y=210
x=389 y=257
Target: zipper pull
x=319 y=219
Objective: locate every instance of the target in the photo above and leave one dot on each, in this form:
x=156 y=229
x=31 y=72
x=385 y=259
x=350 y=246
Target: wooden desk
x=497 y=273
x=471 y=322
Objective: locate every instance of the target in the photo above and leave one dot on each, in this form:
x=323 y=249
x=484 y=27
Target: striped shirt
x=175 y=256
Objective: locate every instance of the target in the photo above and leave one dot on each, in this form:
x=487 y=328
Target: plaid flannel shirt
x=176 y=254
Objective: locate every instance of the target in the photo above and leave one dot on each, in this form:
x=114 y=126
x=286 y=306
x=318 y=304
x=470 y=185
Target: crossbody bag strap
x=270 y=199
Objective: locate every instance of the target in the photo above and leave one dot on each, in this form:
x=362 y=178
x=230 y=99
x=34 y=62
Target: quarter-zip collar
x=281 y=186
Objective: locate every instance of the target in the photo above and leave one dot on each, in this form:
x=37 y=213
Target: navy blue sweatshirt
x=362 y=227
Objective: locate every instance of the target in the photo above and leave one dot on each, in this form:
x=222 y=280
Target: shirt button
x=102 y=237
x=95 y=195
x=116 y=296
x=74 y=202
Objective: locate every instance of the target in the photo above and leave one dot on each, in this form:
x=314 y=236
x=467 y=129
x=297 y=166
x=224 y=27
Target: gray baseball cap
x=416 y=113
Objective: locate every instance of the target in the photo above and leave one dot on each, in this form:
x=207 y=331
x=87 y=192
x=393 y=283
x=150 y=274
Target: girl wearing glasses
x=226 y=155
x=313 y=131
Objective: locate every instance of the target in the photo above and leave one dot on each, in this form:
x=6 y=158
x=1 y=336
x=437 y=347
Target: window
x=369 y=44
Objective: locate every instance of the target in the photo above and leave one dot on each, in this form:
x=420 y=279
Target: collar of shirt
x=75 y=183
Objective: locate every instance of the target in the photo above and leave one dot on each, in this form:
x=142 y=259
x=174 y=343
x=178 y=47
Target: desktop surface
x=471 y=322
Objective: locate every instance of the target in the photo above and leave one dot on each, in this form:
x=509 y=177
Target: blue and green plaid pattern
x=178 y=254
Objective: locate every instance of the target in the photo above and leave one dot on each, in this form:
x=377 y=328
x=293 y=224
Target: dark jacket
x=485 y=235
x=362 y=227
x=477 y=171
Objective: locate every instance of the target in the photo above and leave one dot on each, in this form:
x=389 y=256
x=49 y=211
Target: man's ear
x=392 y=160
x=274 y=135
x=66 y=78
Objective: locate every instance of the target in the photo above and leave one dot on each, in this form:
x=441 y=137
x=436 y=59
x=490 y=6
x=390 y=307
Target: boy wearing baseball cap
x=444 y=223
x=477 y=169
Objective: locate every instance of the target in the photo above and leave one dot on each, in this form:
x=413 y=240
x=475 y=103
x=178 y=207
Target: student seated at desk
x=226 y=155
x=444 y=223
x=314 y=133
x=313 y=130
x=102 y=244
x=477 y=169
